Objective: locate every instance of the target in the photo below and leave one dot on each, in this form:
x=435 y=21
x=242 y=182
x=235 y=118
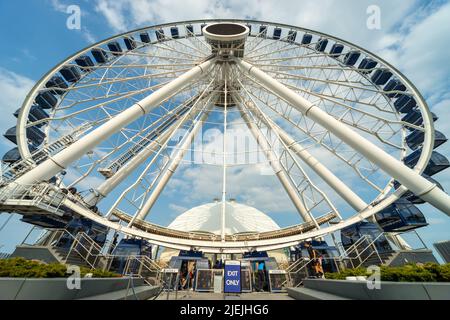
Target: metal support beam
x=172 y=167
x=63 y=159
x=329 y=177
x=412 y=180
x=277 y=168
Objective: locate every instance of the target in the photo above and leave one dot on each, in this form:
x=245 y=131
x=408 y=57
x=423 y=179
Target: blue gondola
x=130 y=43
x=99 y=55
x=145 y=38
x=307 y=38
x=405 y=104
x=328 y=253
x=160 y=36
x=381 y=76
x=353 y=233
x=115 y=48
x=202 y=27
x=321 y=44
x=415 y=117
x=277 y=33
x=44 y=221
x=367 y=65
x=85 y=63
x=411 y=197
x=437 y=162
x=57 y=84
x=46 y=100
x=34 y=135
x=351 y=58
x=416 y=138
x=174 y=32
x=292 y=35
x=71 y=73
x=394 y=85
x=95 y=231
x=249 y=26
x=400 y=216
x=12 y=156
x=36 y=113
x=129 y=247
x=263 y=31
x=336 y=50
x=190 y=30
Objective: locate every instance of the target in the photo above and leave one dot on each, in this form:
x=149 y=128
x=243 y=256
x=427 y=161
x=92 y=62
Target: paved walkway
x=191 y=295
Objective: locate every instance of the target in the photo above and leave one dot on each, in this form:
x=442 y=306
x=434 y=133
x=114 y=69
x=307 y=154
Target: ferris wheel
x=333 y=122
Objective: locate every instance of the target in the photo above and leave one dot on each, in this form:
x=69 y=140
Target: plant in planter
x=428 y=272
x=23 y=268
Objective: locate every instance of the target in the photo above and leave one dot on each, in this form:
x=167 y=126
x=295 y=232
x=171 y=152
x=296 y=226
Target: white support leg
x=172 y=167
x=63 y=159
x=322 y=171
x=277 y=168
x=417 y=184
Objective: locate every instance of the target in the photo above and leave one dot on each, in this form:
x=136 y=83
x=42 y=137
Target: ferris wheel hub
x=227 y=39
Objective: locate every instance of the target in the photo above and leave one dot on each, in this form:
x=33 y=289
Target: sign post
x=232 y=277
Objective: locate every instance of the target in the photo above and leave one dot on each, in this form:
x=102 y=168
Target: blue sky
x=412 y=37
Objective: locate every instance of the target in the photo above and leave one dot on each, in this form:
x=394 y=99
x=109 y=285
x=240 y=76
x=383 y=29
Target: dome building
x=239 y=218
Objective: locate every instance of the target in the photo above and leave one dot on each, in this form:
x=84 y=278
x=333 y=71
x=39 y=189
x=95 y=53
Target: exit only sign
x=232 y=277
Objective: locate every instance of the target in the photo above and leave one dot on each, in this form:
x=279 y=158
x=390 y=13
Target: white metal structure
x=123 y=120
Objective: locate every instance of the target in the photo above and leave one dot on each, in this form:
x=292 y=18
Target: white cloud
x=13 y=88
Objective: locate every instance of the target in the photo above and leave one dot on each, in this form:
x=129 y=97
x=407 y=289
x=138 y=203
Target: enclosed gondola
x=57 y=84
x=277 y=33
x=115 y=48
x=350 y=235
x=127 y=248
x=415 y=139
x=34 y=135
x=174 y=33
x=71 y=74
x=100 y=55
x=46 y=100
x=400 y=216
x=130 y=43
x=145 y=37
x=321 y=44
x=336 y=50
x=351 y=57
x=381 y=76
x=437 y=162
x=307 y=38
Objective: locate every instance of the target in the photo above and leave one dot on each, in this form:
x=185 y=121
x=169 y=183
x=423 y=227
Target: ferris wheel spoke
x=195 y=109
x=293 y=177
x=184 y=45
x=321 y=137
x=360 y=119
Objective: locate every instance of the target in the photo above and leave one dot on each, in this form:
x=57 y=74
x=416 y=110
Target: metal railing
x=360 y=252
x=143 y=267
x=4 y=255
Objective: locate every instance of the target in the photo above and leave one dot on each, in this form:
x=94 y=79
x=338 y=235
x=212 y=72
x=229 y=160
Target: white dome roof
x=239 y=218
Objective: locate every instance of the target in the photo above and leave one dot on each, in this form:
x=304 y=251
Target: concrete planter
x=389 y=290
x=56 y=289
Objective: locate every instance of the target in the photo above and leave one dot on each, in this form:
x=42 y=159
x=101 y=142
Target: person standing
x=261 y=276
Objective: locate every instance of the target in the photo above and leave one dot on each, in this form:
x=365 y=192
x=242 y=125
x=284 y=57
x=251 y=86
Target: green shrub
x=23 y=268
x=429 y=272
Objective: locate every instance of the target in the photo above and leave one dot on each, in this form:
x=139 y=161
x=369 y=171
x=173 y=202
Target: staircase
x=65 y=256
